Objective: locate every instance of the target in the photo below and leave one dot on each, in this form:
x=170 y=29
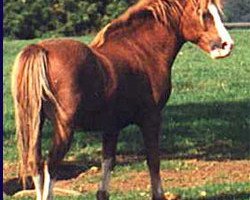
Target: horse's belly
x=102 y=120
x=92 y=122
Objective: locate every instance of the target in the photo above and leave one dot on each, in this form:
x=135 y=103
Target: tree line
x=25 y=19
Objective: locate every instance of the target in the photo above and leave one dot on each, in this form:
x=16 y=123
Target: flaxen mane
x=163 y=11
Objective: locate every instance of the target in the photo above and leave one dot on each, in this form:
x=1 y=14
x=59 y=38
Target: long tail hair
x=29 y=87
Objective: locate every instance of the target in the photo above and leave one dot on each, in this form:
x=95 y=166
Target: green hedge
x=25 y=19
x=237 y=10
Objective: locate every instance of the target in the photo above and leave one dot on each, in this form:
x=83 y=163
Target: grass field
x=207 y=117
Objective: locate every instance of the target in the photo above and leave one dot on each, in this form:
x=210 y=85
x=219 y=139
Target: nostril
x=224 y=45
x=227 y=45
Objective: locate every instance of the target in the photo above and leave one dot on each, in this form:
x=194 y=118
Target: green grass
x=207 y=116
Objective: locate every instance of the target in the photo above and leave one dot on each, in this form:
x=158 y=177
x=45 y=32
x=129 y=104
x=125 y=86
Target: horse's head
x=201 y=24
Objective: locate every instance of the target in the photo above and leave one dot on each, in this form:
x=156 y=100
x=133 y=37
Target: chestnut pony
x=123 y=77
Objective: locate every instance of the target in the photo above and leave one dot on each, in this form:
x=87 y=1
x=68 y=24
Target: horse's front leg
x=151 y=129
x=108 y=163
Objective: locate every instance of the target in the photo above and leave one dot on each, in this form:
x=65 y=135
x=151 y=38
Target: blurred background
x=27 y=19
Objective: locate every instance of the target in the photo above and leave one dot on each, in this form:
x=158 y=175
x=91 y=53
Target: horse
x=122 y=77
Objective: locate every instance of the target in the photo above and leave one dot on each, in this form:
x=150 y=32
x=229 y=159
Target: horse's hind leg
x=108 y=163
x=61 y=144
x=36 y=163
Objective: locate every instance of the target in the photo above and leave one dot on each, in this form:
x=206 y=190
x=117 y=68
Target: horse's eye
x=206 y=16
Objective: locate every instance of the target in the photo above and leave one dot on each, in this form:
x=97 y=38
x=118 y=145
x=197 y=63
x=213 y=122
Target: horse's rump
x=77 y=74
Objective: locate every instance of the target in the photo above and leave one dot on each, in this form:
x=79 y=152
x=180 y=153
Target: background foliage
x=237 y=10
x=25 y=19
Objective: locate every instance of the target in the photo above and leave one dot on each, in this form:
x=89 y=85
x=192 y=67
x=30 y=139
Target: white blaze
x=223 y=33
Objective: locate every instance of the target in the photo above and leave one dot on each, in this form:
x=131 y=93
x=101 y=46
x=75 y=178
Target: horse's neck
x=161 y=45
x=150 y=38
x=170 y=44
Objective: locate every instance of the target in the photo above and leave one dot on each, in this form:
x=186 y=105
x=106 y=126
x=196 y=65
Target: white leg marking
x=106 y=173
x=38 y=186
x=159 y=188
x=48 y=185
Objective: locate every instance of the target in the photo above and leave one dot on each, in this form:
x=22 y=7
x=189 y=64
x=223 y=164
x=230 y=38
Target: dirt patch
x=202 y=173
x=72 y=176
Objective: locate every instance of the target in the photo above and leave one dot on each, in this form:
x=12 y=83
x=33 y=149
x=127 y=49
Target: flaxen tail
x=29 y=87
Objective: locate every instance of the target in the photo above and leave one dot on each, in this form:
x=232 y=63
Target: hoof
x=159 y=198
x=102 y=195
x=171 y=196
x=167 y=196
